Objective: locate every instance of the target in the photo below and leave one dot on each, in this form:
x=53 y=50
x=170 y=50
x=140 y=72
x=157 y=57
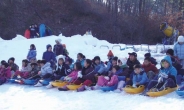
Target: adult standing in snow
x=32 y=31
x=49 y=56
x=179 y=50
x=37 y=30
x=58 y=48
x=31 y=57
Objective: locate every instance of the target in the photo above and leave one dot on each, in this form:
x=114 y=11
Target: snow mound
x=19 y=37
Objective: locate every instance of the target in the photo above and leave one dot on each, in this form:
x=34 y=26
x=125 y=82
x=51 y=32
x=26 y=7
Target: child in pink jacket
x=108 y=80
x=5 y=73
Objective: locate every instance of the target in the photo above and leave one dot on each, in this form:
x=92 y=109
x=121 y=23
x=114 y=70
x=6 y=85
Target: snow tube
x=132 y=90
x=161 y=93
x=58 y=83
x=42 y=30
x=108 y=88
x=45 y=82
x=180 y=93
x=73 y=87
x=27 y=34
x=29 y=82
x=12 y=80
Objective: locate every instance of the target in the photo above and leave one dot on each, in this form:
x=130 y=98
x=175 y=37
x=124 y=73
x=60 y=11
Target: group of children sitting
x=93 y=74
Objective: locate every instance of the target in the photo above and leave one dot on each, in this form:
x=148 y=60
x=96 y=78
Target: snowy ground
x=20 y=97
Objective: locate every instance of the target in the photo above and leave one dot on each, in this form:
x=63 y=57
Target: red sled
x=27 y=34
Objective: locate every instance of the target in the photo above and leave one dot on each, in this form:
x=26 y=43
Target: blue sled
x=180 y=93
x=108 y=88
x=12 y=80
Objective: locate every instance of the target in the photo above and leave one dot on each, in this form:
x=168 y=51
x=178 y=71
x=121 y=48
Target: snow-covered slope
x=20 y=97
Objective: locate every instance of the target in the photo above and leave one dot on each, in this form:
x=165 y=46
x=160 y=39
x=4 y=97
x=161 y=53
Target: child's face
x=78 y=57
x=67 y=62
x=137 y=70
x=50 y=49
x=86 y=64
x=2 y=66
x=97 y=61
x=60 y=61
x=113 y=70
x=146 y=62
x=23 y=64
x=114 y=62
x=120 y=63
x=165 y=64
x=132 y=58
x=10 y=61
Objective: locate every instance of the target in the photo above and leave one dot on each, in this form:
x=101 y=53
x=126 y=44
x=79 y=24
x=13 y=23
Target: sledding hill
x=20 y=97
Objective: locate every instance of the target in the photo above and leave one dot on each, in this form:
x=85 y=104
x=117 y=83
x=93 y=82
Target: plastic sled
x=29 y=82
x=58 y=83
x=108 y=88
x=12 y=81
x=27 y=34
x=161 y=93
x=180 y=93
x=73 y=87
x=42 y=29
x=132 y=90
x=45 y=82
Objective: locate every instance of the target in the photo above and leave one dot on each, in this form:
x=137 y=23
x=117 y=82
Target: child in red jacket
x=5 y=73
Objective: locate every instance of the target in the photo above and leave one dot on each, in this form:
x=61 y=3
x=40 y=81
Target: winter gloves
x=79 y=74
x=162 y=76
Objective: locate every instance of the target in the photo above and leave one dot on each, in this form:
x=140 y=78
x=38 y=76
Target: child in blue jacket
x=31 y=56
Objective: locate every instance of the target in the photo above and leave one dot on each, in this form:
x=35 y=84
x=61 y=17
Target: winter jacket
x=73 y=75
x=100 y=68
x=65 y=52
x=88 y=74
x=63 y=70
x=113 y=81
x=46 y=69
x=140 y=78
x=150 y=67
x=176 y=63
x=14 y=67
x=49 y=57
x=5 y=73
x=27 y=68
x=81 y=61
x=32 y=32
x=131 y=64
x=125 y=70
x=179 y=50
x=58 y=49
x=34 y=71
x=31 y=54
x=171 y=70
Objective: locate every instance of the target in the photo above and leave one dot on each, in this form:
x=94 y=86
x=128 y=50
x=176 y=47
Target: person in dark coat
x=37 y=30
x=132 y=60
x=14 y=67
x=153 y=60
x=32 y=31
x=58 y=48
x=86 y=76
x=34 y=72
x=49 y=56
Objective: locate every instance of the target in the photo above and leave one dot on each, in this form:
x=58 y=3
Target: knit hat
x=115 y=58
x=123 y=61
x=12 y=58
x=64 y=45
x=110 y=54
x=180 y=39
x=147 y=55
x=58 y=40
x=48 y=46
x=5 y=64
x=170 y=52
x=133 y=53
x=96 y=58
x=43 y=61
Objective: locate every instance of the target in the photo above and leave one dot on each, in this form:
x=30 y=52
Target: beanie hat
x=48 y=46
x=110 y=54
x=133 y=53
x=123 y=61
x=147 y=55
x=115 y=59
x=58 y=40
x=43 y=61
x=5 y=64
x=96 y=58
x=12 y=58
x=180 y=39
x=64 y=45
x=170 y=52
